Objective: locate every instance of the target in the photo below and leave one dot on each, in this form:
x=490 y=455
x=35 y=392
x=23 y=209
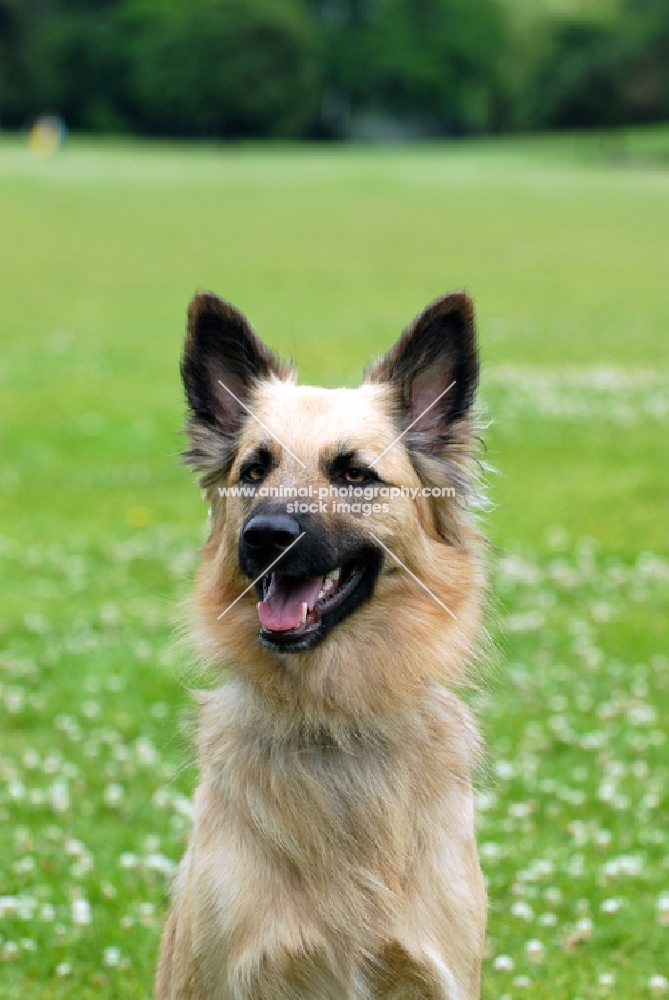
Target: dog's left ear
x=434 y=369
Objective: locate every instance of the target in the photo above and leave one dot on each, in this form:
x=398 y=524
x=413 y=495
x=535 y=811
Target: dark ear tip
x=201 y=301
x=208 y=304
x=464 y=303
x=458 y=301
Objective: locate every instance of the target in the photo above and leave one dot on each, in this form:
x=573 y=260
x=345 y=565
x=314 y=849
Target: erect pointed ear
x=434 y=370
x=223 y=358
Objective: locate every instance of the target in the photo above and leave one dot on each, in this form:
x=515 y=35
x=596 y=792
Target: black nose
x=268 y=535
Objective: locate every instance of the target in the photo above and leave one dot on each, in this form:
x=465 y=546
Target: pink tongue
x=282 y=608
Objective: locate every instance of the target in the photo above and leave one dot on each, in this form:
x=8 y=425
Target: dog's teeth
x=327 y=584
x=321 y=594
x=335 y=574
x=305 y=608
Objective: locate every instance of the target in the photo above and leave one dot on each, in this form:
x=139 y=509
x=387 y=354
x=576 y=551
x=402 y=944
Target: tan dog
x=333 y=854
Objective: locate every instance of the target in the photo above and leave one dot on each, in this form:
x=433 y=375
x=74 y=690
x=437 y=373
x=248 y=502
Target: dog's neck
x=236 y=715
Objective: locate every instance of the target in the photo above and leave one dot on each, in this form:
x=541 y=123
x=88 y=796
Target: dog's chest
x=329 y=811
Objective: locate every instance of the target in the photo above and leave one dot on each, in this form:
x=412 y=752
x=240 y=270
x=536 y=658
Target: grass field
x=565 y=248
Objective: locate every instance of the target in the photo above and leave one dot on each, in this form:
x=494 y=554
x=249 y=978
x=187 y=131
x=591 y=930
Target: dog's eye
x=355 y=475
x=254 y=473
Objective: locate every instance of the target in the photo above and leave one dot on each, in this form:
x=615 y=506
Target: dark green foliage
x=60 y=57
x=579 y=83
x=309 y=68
x=604 y=73
x=437 y=60
x=184 y=67
x=14 y=76
x=647 y=90
x=221 y=67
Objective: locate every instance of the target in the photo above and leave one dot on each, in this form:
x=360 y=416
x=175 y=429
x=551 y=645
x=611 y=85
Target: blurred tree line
x=329 y=68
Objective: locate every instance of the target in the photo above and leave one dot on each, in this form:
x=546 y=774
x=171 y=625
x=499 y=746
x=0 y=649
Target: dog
x=333 y=852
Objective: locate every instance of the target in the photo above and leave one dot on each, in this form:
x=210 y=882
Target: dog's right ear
x=223 y=358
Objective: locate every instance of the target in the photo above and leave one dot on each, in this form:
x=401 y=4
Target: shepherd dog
x=333 y=852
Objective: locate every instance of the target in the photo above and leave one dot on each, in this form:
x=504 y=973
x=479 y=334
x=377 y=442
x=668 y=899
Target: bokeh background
x=333 y=68
x=330 y=168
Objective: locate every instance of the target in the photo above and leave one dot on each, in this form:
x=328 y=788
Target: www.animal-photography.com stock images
x=334 y=473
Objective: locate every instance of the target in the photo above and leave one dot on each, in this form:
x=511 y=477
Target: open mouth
x=297 y=612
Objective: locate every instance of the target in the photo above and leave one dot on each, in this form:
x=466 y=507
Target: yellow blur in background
x=47 y=136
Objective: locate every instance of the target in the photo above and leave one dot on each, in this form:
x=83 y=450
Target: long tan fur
x=333 y=853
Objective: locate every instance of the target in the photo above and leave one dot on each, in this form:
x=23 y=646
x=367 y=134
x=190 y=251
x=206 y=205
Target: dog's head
x=340 y=530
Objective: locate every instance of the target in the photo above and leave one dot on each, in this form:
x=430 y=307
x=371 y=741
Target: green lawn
x=564 y=244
